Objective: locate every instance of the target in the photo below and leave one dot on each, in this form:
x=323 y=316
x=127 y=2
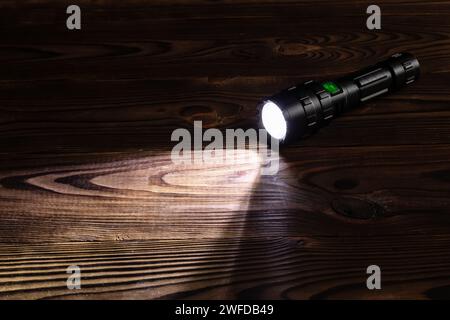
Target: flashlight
x=305 y=108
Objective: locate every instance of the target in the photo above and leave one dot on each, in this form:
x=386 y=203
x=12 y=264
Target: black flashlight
x=302 y=109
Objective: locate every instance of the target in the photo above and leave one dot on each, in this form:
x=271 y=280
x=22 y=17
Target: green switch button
x=331 y=87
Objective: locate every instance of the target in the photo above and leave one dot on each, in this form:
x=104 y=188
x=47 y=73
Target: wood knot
x=357 y=209
x=345 y=184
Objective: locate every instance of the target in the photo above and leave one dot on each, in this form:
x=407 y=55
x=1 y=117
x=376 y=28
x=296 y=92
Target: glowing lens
x=273 y=120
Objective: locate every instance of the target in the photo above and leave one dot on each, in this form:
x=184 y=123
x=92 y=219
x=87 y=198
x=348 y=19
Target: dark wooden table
x=86 y=177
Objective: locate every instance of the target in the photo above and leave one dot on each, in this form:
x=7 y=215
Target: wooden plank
x=293 y=268
x=306 y=55
x=141 y=42
x=133 y=115
x=145 y=196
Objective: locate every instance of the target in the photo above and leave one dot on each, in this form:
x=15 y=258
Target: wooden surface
x=86 y=178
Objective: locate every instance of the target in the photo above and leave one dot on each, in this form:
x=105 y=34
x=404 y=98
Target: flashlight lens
x=273 y=120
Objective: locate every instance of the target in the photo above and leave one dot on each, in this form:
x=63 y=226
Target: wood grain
x=289 y=268
x=86 y=176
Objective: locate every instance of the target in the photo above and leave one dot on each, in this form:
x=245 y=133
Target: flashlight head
x=285 y=115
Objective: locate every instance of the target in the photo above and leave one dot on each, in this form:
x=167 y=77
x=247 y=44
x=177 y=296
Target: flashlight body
x=311 y=105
